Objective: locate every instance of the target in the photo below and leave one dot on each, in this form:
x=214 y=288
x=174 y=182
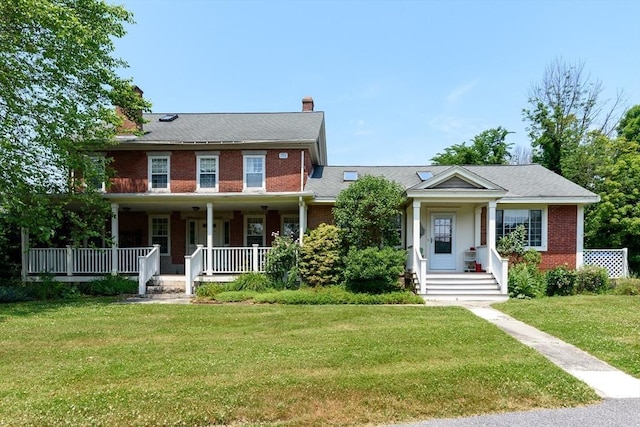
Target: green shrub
x=320 y=257
x=532 y=257
x=236 y=296
x=561 y=281
x=110 y=286
x=209 y=290
x=512 y=245
x=526 y=281
x=335 y=295
x=13 y=293
x=626 y=287
x=374 y=270
x=48 y=288
x=281 y=265
x=592 y=279
x=253 y=281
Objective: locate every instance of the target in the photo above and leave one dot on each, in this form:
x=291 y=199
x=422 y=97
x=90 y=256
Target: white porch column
x=209 y=239
x=491 y=233
x=416 y=230
x=302 y=218
x=24 y=246
x=114 y=239
x=477 y=237
x=580 y=237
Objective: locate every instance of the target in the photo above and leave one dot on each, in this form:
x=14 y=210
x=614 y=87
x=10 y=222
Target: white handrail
x=148 y=266
x=500 y=270
x=193 y=267
x=420 y=268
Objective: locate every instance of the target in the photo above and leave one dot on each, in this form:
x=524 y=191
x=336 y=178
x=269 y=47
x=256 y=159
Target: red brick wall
x=318 y=214
x=282 y=174
x=178 y=238
x=236 y=226
x=561 y=237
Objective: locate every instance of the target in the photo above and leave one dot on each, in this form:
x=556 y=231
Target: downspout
x=302 y=170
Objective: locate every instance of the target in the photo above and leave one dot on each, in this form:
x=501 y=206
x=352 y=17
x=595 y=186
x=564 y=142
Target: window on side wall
x=159 y=233
x=532 y=219
x=254 y=178
x=159 y=177
x=207 y=173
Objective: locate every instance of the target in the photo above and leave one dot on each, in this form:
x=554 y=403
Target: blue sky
x=398 y=81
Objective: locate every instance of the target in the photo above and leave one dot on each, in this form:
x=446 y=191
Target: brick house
x=210 y=190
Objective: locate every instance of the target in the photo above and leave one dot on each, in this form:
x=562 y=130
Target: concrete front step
x=167 y=284
x=463 y=287
x=466 y=297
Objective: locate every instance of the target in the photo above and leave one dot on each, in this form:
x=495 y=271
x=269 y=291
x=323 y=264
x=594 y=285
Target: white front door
x=442 y=242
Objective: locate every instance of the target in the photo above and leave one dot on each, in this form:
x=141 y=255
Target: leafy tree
x=564 y=107
x=487 y=148
x=629 y=126
x=615 y=220
x=367 y=212
x=58 y=83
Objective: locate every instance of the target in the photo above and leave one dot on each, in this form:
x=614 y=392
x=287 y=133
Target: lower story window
x=160 y=233
x=291 y=227
x=255 y=230
x=508 y=219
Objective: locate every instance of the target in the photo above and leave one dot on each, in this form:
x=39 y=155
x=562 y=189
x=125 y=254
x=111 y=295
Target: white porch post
x=416 y=230
x=580 y=237
x=24 y=246
x=491 y=233
x=209 y=239
x=114 y=239
x=302 y=218
x=477 y=237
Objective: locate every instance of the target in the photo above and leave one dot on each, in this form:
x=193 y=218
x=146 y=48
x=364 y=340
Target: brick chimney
x=129 y=124
x=307 y=103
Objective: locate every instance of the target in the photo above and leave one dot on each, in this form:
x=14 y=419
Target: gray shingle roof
x=227 y=127
x=520 y=181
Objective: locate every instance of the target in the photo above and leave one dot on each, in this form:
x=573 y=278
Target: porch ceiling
x=198 y=202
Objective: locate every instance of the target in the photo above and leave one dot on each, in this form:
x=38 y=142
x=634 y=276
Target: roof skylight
x=350 y=176
x=168 y=118
x=424 y=175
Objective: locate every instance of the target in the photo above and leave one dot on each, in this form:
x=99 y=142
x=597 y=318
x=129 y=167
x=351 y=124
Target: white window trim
x=168 y=218
x=150 y=159
x=102 y=158
x=245 y=157
x=207 y=189
x=264 y=227
x=545 y=223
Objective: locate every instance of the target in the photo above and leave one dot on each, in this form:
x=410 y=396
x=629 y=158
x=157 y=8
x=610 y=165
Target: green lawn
x=607 y=326
x=97 y=363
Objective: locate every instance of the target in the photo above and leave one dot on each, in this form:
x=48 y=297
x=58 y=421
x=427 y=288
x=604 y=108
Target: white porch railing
x=148 y=266
x=419 y=267
x=614 y=260
x=193 y=267
x=71 y=261
x=500 y=270
x=228 y=260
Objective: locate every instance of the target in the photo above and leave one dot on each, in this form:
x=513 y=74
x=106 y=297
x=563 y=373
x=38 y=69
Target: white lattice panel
x=614 y=260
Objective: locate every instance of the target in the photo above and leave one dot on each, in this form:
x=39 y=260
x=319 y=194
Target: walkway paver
x=606 y=380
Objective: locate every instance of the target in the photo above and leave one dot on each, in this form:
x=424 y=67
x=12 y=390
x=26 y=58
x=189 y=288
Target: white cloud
x=454 y=96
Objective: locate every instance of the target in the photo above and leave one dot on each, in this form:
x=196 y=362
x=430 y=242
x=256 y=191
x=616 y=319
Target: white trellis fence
x=614 y=260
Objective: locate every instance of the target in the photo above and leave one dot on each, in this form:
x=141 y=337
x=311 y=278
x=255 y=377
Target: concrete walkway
x=606 y=380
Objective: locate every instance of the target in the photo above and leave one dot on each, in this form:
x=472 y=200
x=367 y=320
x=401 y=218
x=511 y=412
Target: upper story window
x=254 y=175
x=159 y=176
x=207 y=173
x=508 y=219
x=97 y=175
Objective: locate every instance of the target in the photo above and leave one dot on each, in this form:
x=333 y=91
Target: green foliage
x=626 y=286
x=281 y=265
x=487 y=148
x=47 y=288
x=367 y=212
x=629 y=126
x=561 y=281
x=374 y=270
x=592 y=279
x=253 y=281
x=614 y=222
x=526 y=281
x=109 y=286
x=209 y=290
x=10 y=250
x=320 y=256
x=512 y=245
x=58 y=82
x=13 y=293
x=532 y=257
